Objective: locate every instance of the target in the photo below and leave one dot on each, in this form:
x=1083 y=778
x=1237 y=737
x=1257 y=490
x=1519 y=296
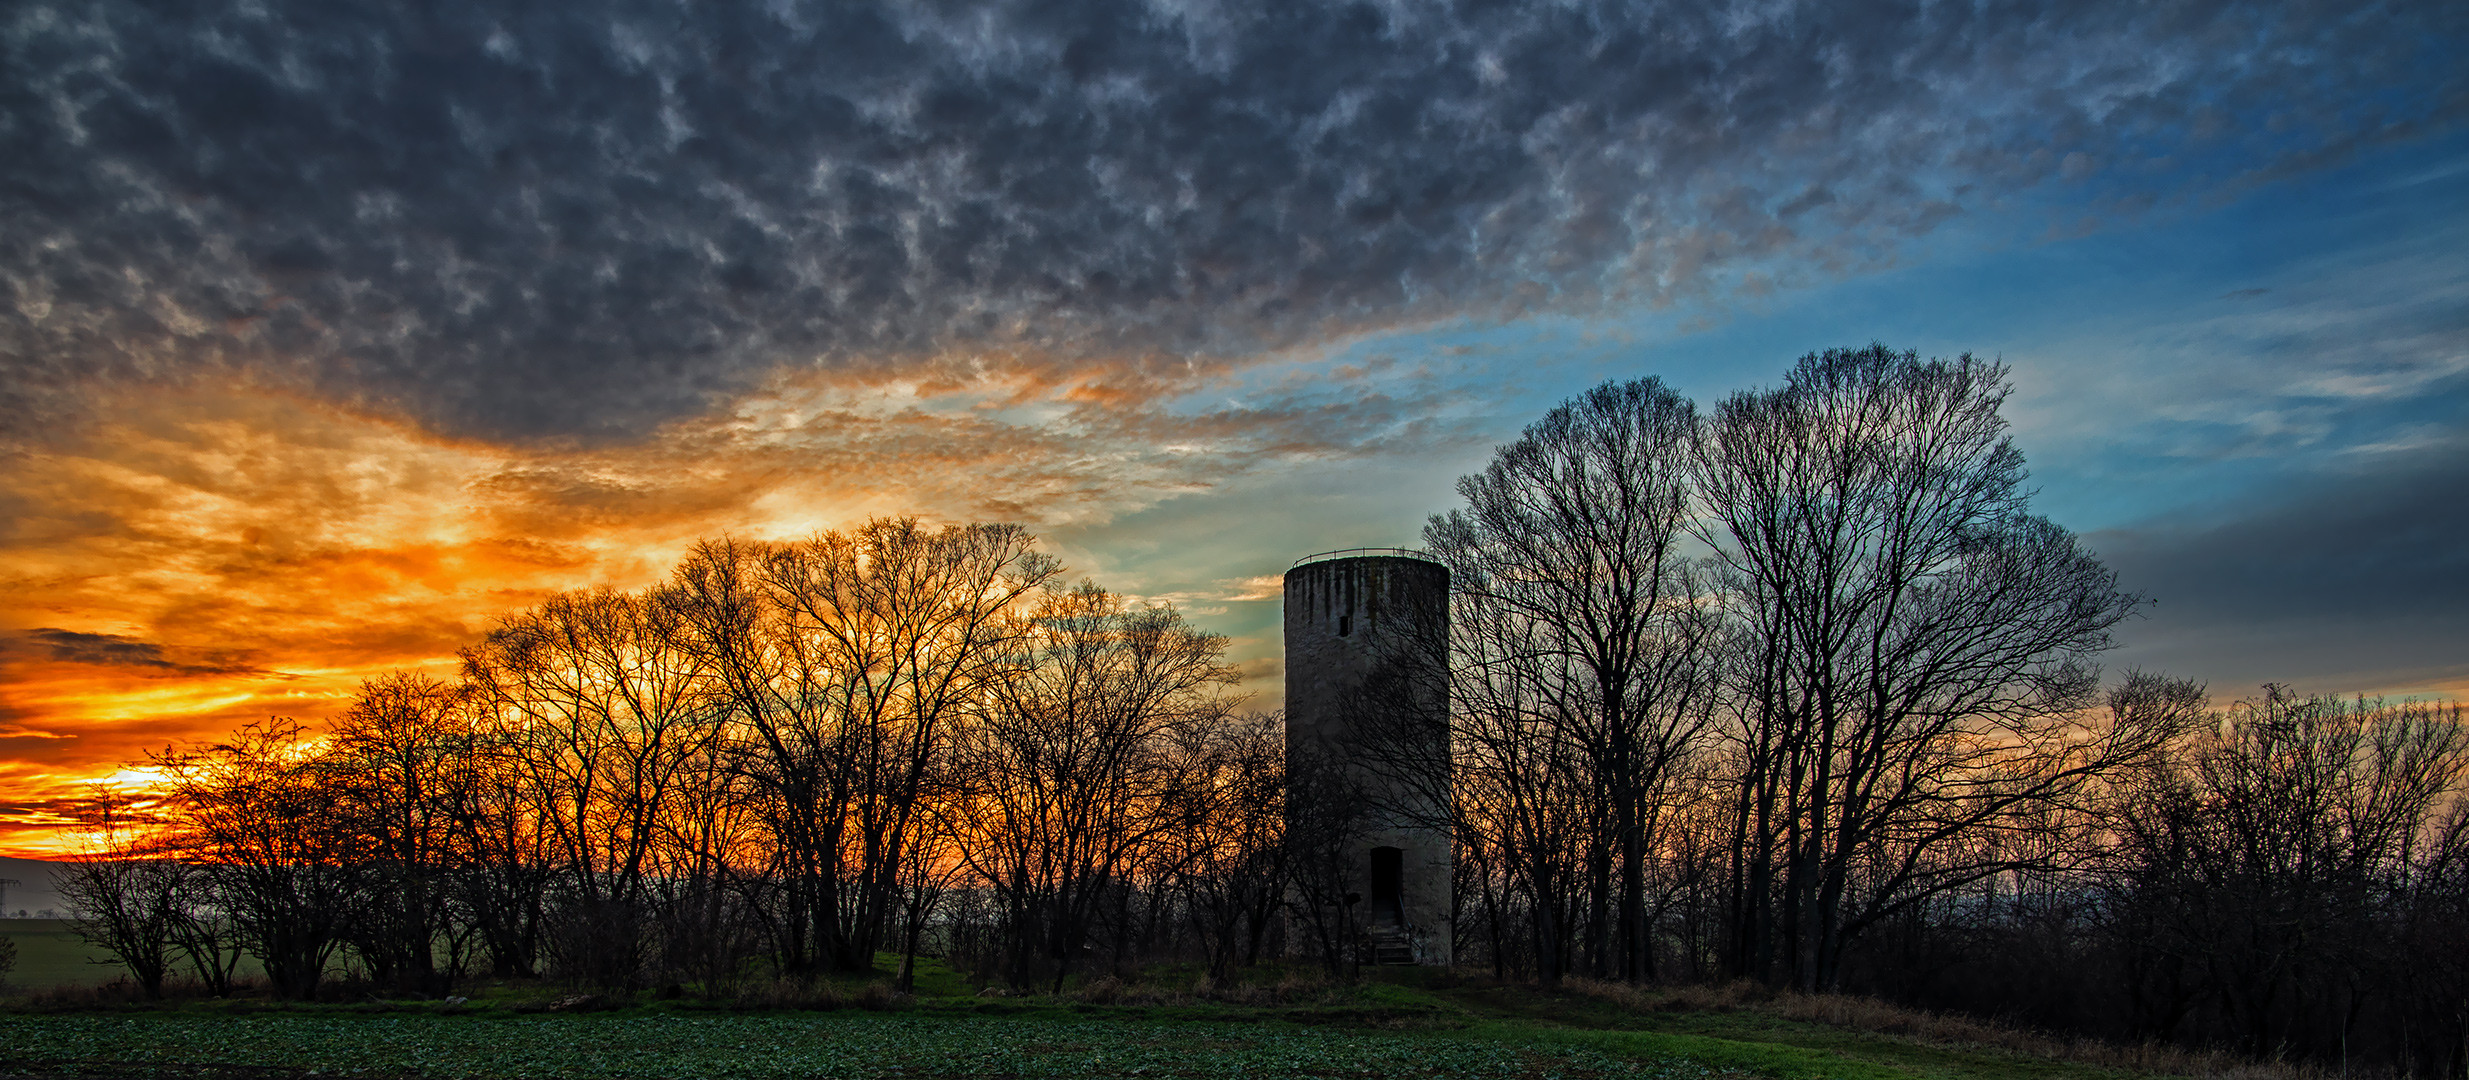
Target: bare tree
x=932 y=869
x=505 y=853
x=1232 y=871
x=1070 y=778
x=204 y=930
x=608 y=712
x=266 y=820
x=706 y=882
x=402 y=757
x=847 y=660
x=1327 y=816
x=1568 y=548
x=1916 y=647
x=124 y=897
x=2263 y=867
x=1524 y=793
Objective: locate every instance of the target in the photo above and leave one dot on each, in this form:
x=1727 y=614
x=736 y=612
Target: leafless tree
x=267 y=821
x=204 y=931
x=1231 y=871
x=1915 y=647
x=1327 y=816
x=1568 y=551
x=1069 y=775
x=505 y=854
x=2266 y=866
x=124 y=896
x=1524 y=792
x=706 y=879
x=847 y=661
x=932 y=867
x=608 y=714
x=401 y=757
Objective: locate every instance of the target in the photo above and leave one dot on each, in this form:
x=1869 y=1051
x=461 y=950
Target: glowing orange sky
x=327 y=334
x=197 y=558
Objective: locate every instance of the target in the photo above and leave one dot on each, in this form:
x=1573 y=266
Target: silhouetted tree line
x=1798 y=690
x=788 y=759
x=1794 y=690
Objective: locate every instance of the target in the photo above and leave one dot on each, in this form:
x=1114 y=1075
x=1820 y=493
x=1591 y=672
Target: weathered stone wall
x=1366 y=687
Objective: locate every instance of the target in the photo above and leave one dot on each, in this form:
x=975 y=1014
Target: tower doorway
x=1388 y=885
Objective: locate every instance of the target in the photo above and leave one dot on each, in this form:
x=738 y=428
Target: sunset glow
x=308 y=375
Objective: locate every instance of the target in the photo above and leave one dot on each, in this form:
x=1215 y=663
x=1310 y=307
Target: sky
x=332 y=331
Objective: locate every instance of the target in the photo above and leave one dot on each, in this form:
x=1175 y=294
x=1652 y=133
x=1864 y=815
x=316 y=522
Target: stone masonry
x=1366 y=643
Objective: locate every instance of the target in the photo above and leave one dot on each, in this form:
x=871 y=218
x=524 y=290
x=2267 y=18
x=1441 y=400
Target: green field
x=50 y=954
x=1399 y=1024
x=829 y=1045
x=1396 y=1023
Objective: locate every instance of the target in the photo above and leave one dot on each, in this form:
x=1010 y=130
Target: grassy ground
x=916 y=1043
x=1396 y=1023
x=1756 y=1040
x=50 y=954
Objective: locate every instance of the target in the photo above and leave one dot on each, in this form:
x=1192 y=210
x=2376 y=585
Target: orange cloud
x=194 y=558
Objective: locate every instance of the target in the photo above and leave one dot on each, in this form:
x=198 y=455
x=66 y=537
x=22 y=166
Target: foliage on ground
x=1169 y=1022
x=822 y=1045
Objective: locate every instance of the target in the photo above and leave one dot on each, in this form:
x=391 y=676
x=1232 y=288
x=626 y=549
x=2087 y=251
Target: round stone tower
x=1367 y=715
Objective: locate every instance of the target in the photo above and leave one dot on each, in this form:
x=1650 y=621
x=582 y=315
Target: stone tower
x=1367 y=708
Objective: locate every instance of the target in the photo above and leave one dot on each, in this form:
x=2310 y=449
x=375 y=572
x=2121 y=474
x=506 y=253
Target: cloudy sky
x=329 y=333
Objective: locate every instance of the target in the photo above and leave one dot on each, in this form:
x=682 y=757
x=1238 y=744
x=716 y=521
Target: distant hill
x=35 y=892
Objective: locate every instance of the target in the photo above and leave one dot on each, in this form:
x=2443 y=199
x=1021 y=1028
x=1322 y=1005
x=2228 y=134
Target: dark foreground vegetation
x=1275 y=1023
x=1795 y=693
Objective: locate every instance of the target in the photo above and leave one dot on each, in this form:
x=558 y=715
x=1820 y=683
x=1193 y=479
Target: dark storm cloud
x=114 y=650
x=2359 y=575
x=575 y=220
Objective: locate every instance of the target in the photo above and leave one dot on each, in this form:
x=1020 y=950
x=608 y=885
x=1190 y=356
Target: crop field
x=831 y=1045
x=51 y=954
x=1397 y=1023
x=1404 y=1027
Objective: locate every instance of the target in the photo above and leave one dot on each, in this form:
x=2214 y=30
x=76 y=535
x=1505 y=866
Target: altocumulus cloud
x=576 y=221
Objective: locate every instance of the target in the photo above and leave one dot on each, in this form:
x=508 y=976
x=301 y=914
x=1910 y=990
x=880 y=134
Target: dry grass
x=1289 y=988
x=119 y=993
x=71 y=997
x=818 y=996
x=1872 y=1015
x=1294 y=987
